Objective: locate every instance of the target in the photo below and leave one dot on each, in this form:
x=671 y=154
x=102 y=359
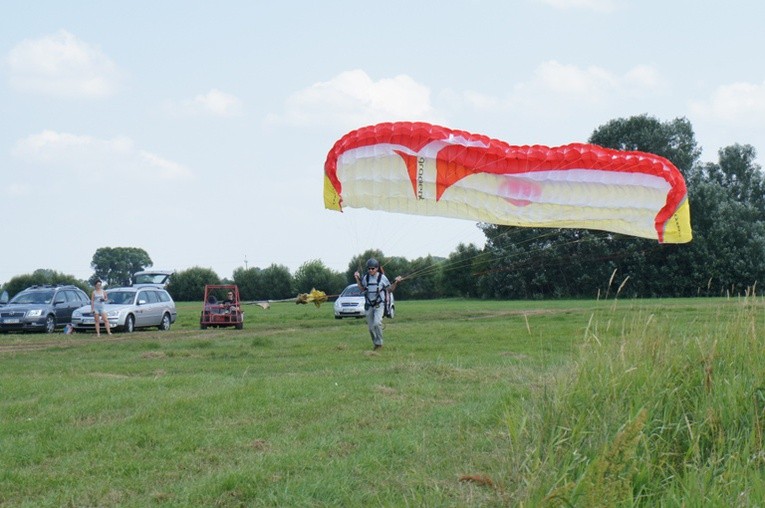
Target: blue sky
x=198 y=130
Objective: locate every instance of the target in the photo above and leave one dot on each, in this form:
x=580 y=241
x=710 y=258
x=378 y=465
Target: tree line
x=727 y=203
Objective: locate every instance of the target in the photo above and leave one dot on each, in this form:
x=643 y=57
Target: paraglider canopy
x=419 y=168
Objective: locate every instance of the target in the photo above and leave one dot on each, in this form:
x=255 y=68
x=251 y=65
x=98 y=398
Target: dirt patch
x=153 y=355
x=386 y=390
x=533 y=312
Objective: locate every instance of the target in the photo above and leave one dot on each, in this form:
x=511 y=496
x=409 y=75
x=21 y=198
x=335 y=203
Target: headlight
x=34 y=313
x=113 y=313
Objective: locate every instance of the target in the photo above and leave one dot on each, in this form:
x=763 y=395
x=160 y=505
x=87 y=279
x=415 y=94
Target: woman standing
x=98 y=300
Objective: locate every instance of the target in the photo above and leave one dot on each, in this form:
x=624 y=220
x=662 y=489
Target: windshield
x=120 y=297
x=352 y=291
x=151 y=278
x=37 y=297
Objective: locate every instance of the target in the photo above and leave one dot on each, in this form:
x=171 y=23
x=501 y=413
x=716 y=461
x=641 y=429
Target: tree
x=249 y=282
x=315 y=275
x=115 y=266
x=674 y=140
x=276 y=282
x=359 y=263
x=739 y=174
x=425 y=281
x=189 y=285
x=462 y=270
x=42 y=276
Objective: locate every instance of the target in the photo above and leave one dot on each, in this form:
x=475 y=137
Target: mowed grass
x=580 y=403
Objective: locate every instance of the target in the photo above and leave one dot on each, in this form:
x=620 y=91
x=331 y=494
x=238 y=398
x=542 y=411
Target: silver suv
x=129 y=308
x=41 y=308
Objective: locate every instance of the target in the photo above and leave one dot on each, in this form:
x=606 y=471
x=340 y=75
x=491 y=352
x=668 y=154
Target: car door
x=61 y=307
x=155 y=302
x=142 y=309
x=147 y=309
x=73 y=302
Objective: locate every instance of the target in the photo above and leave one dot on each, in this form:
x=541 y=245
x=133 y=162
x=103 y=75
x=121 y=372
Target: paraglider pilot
x=376 y=287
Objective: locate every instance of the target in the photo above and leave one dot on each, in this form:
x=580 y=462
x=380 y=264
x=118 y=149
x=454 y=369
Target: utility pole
x=245 y=261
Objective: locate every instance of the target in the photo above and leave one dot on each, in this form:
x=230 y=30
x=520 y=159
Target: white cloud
x=61 y=65
x=734 y=103
x=561 y=79
x=593 y=83
x=213 y=103
x=593 y=5
x=352 y=98
x=90 y=157
x=17 y=190
x=555 y=87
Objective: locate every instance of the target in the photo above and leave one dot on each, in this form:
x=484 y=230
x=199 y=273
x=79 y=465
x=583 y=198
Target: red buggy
x=221 y=307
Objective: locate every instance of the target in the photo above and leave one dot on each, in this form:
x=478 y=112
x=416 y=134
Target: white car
x=129 y=308
x=351 y=301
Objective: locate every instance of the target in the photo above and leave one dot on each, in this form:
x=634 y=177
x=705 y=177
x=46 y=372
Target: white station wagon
x=129 y=308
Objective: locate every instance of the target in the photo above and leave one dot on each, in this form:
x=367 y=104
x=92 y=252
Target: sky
x=198 y=131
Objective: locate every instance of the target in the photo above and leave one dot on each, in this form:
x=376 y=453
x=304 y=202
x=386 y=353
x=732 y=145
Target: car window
x=352 y=291
x=149 y=296
x=163 y=296
x=35 y=297
x=121 y=297
x=151 y=278
x=74 y=296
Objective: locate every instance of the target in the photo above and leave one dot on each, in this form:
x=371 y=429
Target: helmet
x=373 y=263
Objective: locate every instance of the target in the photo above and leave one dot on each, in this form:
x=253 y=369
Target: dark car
x=42 y=308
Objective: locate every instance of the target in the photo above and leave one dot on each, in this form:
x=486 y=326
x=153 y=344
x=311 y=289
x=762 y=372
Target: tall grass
x=628 y=403
x=653 y=411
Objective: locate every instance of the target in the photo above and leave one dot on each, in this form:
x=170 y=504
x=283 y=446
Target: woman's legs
x=105 y=317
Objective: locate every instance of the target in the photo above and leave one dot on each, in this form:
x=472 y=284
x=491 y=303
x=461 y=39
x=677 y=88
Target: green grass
x=646 y=403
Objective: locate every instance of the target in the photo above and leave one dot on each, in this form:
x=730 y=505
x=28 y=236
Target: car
x=130 y=308
x=42 y=308
x=351 y=301
x=157 y=278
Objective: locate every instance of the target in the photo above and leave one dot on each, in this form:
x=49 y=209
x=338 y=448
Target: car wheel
x=50 y=324
x=129 y=324
x=165 y=324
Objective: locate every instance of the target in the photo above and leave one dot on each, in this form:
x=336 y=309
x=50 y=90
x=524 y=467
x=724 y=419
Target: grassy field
x=564 y=403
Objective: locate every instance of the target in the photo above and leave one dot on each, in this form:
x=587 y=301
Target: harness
x=379 y=298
